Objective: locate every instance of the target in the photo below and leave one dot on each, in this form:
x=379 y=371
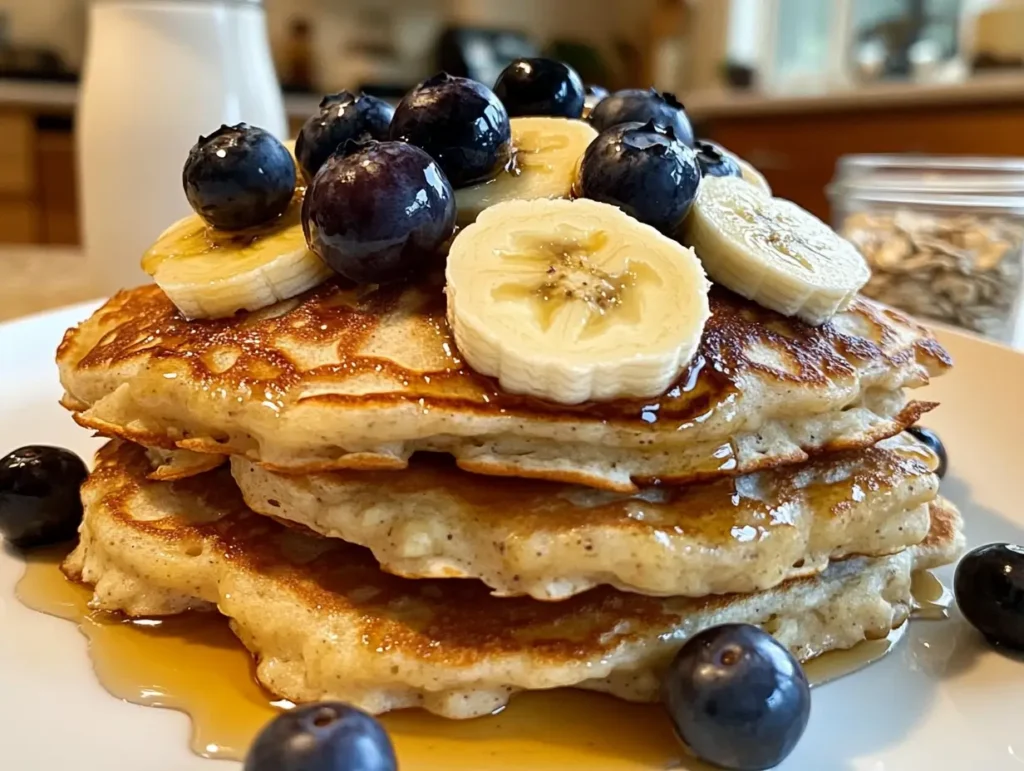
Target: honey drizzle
x=192 y=663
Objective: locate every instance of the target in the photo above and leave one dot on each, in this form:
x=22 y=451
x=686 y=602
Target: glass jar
x=943 y=236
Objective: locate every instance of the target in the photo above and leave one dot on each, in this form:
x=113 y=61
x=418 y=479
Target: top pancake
x=351 y=378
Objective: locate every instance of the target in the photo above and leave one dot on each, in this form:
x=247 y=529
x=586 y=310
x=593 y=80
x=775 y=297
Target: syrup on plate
x=194 y=664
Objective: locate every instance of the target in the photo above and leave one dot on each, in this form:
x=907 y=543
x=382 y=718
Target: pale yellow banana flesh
x=772 y=251
x=546 y=153
x=210 y=273
x=573 y=301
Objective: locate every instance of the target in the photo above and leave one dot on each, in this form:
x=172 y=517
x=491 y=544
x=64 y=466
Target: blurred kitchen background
x=793 y=86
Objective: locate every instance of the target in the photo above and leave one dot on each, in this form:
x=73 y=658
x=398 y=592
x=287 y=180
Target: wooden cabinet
x=798 y=151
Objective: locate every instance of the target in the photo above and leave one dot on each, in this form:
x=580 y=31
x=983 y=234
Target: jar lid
x=930 y=180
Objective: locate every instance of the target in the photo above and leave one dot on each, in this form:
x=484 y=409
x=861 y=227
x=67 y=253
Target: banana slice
x=209 y=273
x=772 y=251
x=547 y=151
x=573 y=301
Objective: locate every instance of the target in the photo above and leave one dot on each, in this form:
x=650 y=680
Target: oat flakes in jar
x=943 y=236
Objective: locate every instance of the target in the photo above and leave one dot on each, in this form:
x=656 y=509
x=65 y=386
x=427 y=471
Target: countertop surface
x=35 y=279
x=53 y=97
x=992 y=88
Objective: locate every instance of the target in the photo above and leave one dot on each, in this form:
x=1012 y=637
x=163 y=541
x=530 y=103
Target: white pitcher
x=158 y=73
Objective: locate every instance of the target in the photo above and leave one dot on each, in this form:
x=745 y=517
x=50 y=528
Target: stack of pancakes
x=386 y=527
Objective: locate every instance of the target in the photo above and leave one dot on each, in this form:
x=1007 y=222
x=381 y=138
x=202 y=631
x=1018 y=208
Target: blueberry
x=322 y=737
x=989 y=588
x=540 y=87
x=342 y=116
x=714 y=161
x=644 y=170
x=737 y=698
x=39 y=496
x=461 y=123
x=930 y=438
x=239 y=177
x=636 y=105
x=596 y=93
x=379 y=214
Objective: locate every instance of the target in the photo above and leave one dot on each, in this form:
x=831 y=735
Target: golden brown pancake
x=551 y=541
x=347 y=378
x=324 y=622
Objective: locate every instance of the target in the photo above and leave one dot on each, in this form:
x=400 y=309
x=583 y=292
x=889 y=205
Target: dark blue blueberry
x=989 y=588
x=737 y=698
x=322 y=737
x=644 y=170
x=342 y=116
x=930 y=438
x=39 y=496
x=597 y=93
x=239 y=177
x=637 y=105
x=380 y=214
x=540 y=87
x=714 y=161
x=461 y=123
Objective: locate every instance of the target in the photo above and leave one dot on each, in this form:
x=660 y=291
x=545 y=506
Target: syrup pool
x=194 y=664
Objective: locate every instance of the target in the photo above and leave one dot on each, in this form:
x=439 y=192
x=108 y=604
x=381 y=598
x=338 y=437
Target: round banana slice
x=209 y=273
x=573 y=301
x=546 y=154
x=772 y=251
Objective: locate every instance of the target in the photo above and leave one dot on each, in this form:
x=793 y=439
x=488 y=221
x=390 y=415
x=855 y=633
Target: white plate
x=943 y=701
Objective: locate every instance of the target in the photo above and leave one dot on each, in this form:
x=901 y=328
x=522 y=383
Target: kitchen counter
x=61 y=98
x=37 y=279
x=991 y=89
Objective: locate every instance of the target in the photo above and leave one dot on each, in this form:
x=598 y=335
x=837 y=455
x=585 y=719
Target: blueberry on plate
x=322 y=737
x=540 y=87
x=930 y=438
x=637 y=105
x=596 y=93
x=341 y=117
x=460 y=123
x=737 y=698
x=714 y=161
x=239 y=177
x=380 y=214
x=40 y=503
x=644 y=170
x=989 y=588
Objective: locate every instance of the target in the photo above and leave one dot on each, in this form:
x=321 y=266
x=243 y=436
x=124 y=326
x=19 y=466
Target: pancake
x=551 y=541
x=325 y=623
x=344 y=378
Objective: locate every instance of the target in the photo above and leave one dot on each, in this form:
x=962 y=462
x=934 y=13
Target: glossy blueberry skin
x=239 y=177
x=381 y=214
x=737 y=698
x=540 y=87
x=989 y=588
x=930 y=438
x=460 y=123
x=342 y=117
x=597 y=93
x=714 y=162
x=330 y=736
x=637 y=105
x=645 y=171
x=40 y=503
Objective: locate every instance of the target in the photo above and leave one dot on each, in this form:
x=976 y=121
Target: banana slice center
x=775 y=231
x=532 y=147
x=572 y=280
